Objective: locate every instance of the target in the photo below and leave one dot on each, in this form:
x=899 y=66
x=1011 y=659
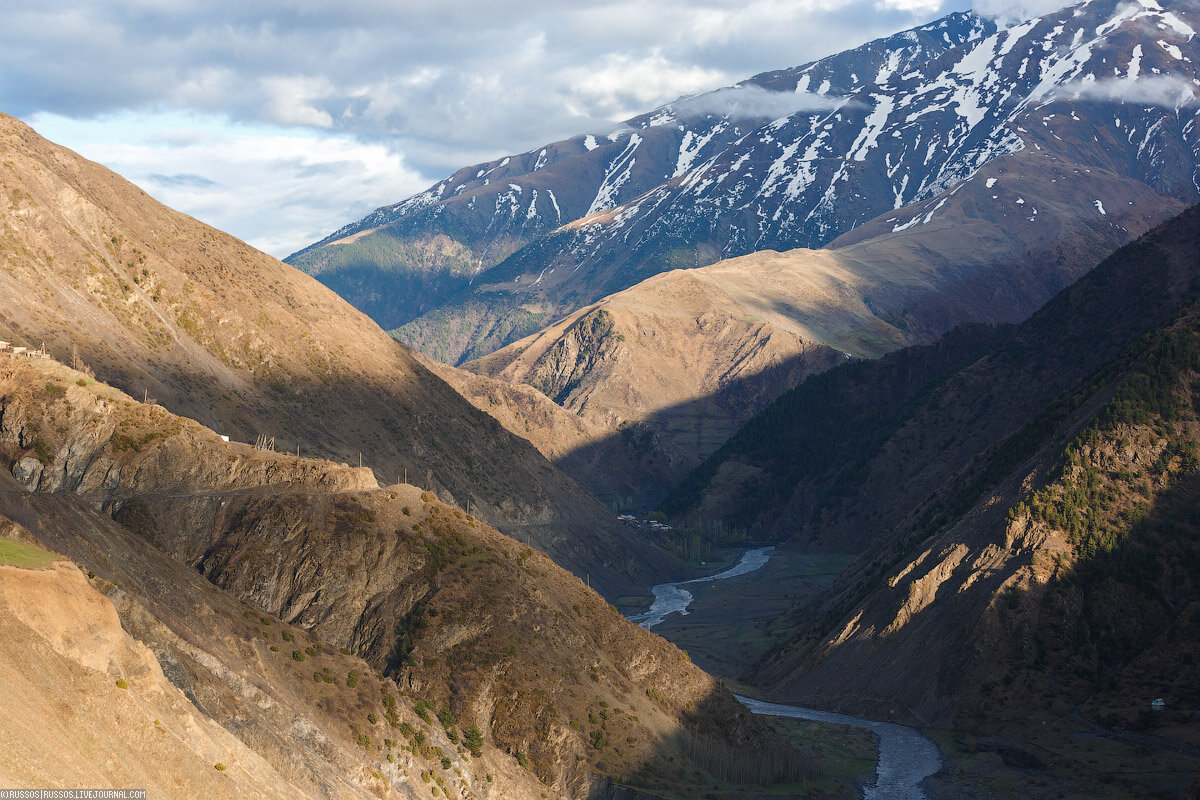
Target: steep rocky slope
x=144 y=675
x=518 y=658
x=1103 y=85
x=63 y=647
x=1026 y=535
x=671 y=367
x=159 y=304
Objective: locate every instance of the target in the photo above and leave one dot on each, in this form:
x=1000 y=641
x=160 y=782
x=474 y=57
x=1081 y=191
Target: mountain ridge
x=164 y=306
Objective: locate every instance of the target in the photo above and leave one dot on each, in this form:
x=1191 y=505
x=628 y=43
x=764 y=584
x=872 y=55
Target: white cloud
x=754 y=102
x=442 y=84
x=1010 y=12
x=292 y=100
x=277 y=190
x=1166 y=91
x=620 y=86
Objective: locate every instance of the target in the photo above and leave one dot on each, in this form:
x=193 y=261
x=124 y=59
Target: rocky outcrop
x=560 y=370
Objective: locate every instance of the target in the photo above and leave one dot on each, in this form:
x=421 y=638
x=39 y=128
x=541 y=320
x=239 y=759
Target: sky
x=279 y=121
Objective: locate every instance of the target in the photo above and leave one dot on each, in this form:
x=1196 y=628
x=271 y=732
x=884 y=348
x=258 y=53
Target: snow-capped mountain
x=787 y=159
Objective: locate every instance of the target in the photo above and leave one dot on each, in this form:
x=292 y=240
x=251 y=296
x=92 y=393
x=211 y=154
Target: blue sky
x=281 y=120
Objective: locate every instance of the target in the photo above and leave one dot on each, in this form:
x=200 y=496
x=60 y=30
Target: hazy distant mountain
x=405 y=260
x=787 y=159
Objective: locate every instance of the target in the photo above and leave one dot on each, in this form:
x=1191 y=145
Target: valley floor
x=732 y=623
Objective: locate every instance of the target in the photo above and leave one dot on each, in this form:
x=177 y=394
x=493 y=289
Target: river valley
x=906 y=756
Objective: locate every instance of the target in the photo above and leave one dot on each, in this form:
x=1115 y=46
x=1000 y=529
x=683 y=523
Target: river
x=906 y=756
x=669 y=598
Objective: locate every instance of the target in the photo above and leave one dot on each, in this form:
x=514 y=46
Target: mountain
x=798 y=158
x=692 y=354
x=163 y=306
x=670 y=368
x=1022 y=510
x=404 y=260
x=259 y=624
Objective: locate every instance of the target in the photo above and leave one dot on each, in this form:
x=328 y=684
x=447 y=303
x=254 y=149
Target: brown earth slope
x=462 y=620
x=158 y=303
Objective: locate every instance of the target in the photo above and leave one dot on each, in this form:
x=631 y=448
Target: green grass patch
x=28 y=556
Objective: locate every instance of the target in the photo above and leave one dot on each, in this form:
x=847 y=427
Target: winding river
x=906 y=756
x=670 y=598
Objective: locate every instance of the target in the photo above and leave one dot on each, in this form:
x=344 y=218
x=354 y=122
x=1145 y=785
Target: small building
x=4 y=345
x=19 y=350
x=1158 y=704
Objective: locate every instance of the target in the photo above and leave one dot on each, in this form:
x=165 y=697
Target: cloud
x=436 y=86
x=1166 y=91
x=755 y=102
x=1010 y=12
x=184 y=179
x=277 y=190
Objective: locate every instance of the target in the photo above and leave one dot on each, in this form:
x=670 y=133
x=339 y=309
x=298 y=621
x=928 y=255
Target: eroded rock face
x=28 y=472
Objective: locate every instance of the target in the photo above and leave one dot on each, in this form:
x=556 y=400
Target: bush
x=473 y=739
x=121 y=684
x=371 y=718
x=352 y=679
x=297 y=655
x=219 y=766
x=446 y=717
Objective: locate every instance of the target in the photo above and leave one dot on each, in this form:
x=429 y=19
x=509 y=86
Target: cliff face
x=487 y=631
x=156 y=303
